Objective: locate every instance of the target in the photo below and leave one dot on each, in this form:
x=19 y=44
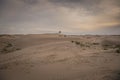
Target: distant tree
x=59 y=32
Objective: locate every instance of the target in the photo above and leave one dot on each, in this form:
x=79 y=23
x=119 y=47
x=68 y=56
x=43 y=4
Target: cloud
x=96 y=13
x=75 y=16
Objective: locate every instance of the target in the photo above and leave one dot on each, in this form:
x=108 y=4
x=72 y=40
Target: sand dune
x=55 y=57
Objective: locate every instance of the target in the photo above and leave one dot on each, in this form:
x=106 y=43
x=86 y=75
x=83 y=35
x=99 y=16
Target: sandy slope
x=56 y=58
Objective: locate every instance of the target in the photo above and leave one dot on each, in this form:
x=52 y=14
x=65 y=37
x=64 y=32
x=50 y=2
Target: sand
x=59 y=57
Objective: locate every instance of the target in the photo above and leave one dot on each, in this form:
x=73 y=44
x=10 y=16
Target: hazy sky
x=69 y=16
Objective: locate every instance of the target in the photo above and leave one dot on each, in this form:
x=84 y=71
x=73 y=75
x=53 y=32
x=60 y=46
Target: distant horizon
x=56 y=33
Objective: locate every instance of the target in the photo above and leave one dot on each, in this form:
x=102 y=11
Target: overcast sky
x=69 y=16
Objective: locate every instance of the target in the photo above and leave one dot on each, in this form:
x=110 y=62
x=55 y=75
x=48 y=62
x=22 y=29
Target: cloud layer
x=70 y=16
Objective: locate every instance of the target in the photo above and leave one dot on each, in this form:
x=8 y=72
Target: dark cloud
x=3 y=3
x=31 y=2
x=67 y=1
x=78 y=3
x=117 y=2
x=75 y=1
x=93 y=6
x=90 y=5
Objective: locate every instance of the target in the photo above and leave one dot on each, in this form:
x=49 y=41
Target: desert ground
x=59 y=57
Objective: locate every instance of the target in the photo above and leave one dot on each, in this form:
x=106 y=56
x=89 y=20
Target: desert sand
x=59 y=57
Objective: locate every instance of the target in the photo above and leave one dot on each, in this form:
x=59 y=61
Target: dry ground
x=58 y=57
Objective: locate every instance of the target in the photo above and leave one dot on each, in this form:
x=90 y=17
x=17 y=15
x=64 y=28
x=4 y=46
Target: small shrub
x=110 y=44
x=9 y=48
x=105 y=49
x=6 y=50
x=95 y=43
x=72 y=41
x=118 y=50
x=18 y=49
x=9 y=45
x=117 y=46
x=77 y=43
x=3 y=67
x=87 y=45
x=65 y=35
x=82 y=45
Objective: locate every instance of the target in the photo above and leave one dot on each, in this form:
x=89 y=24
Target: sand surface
x=57 y=57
